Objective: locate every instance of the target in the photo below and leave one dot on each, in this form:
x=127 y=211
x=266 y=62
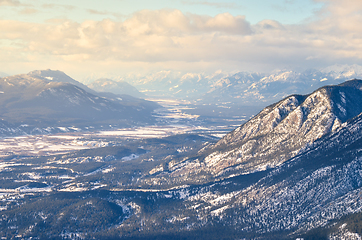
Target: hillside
x=48 y=99
x=168 y=188
x=278 y=133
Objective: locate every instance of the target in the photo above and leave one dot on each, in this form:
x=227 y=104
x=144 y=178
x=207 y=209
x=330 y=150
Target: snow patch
x=344 y=234
x=130 y=157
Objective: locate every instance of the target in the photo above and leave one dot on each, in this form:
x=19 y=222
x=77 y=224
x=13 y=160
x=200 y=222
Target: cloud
x=148 y=36
x=29 y=11
x=105 y=13
x=92 y=11
x=13 y=3
x=174 y=22
x=213 y=4
x=61 y=6
x=9 y=3
x=341 y=15
x=170 y=37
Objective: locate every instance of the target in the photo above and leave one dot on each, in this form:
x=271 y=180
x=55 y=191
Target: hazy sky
x=86 y=37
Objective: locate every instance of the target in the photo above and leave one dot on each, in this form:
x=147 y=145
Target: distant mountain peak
x=48 y=98
x=46 y=71
x=115 y=87
x=55 y=75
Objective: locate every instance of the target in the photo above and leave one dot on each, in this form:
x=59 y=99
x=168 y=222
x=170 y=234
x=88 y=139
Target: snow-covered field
x=172 y=119
x=36 y=145
x=44 y=144
x=173 y=111
x=150 y=132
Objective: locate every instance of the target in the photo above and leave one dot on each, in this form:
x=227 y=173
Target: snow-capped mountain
x=294 y=167
x=190 y=86
x=275 y=135
x=311 y=190
x=283 y=130
x=120 y=87
x=51 y=98
x=293 y=171
x=242 y=87
x=58 y=76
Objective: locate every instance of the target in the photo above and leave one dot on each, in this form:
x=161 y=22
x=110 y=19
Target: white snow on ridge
x=33 y=175
x=64 y=129
x=344 y=234
x=107 y=170
x=219 y=211
x=130 y=157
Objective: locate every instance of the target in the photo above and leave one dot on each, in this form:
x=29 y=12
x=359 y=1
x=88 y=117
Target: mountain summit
x=52 y=98
x=293 y=171
x=282 y=130
x=278 y=133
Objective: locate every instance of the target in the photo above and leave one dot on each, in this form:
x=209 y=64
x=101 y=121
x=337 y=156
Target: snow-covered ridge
x=279 y=131
x=241 y=87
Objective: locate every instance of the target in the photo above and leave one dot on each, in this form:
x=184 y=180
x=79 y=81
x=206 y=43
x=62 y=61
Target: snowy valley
x=291 y=171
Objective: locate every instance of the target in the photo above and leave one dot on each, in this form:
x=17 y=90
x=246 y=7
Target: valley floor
x=176 y=117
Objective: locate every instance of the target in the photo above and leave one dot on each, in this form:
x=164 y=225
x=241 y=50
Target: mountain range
x=275 y=135
x=120 y=87
x=292 y=171
x=42 y=101
x=243 y=88
x=293 y=168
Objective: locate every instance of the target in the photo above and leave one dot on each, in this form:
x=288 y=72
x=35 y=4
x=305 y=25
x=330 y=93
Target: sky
x=88 y=38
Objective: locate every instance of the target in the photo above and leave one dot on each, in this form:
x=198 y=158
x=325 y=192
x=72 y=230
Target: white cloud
x=9 y=3
x=29 y=11
x=212 y=4
x=170 y=37
x=146 y=36
x=61 y=6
